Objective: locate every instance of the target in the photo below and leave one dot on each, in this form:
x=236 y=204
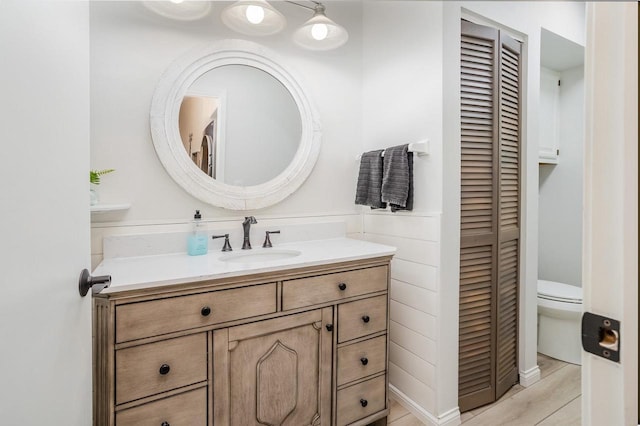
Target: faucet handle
x=227 y=246
x=267 y=240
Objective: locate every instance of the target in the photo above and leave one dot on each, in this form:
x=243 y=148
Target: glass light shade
x=253 y=17
x=320 y=33
x=180 y=11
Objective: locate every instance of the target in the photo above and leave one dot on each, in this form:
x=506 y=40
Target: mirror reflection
x=239 y=125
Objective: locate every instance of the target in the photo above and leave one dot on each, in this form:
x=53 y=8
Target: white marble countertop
x=131 y=273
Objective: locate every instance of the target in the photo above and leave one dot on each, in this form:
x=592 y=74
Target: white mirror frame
x=165 y=110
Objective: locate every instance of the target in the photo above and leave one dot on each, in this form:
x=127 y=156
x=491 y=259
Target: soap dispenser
x=197 y=241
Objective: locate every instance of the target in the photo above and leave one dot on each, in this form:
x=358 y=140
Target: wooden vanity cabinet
x=297 y=347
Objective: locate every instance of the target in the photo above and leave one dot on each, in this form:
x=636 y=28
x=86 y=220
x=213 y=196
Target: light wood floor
x=554 y=400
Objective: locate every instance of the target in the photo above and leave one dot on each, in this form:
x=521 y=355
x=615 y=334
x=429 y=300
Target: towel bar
x=420 y=148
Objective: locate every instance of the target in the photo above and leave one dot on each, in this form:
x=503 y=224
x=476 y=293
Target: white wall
x=130 y=49
x=560 y=201
x=412 y=62
x=402 y=49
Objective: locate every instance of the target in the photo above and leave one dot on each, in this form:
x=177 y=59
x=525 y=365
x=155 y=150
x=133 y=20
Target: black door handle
x=86 y=281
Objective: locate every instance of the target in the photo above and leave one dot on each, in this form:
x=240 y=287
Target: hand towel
x=397 y=177
x=409 y=205
x=368 y=189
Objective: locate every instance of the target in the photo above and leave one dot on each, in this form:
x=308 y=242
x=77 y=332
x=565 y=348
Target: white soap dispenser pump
x=197 y=241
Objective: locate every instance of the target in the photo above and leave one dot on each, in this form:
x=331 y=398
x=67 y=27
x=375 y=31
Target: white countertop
x=129 y=273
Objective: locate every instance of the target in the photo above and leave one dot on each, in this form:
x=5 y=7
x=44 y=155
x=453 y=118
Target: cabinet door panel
x=278 y=371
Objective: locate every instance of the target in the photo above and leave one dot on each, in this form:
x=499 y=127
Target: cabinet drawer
x=330 y=287
x=158 y=367
x=145 y=319
x=361 y=400
x=357 y=319
x=362 y=359
x=189 y=408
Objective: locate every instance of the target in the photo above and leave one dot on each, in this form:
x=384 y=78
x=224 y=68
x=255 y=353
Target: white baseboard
x=529 y=377
x=450 y=418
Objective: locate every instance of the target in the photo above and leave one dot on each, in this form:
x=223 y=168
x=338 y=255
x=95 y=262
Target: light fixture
x=320 y=32
x=253 y=17
x=259 y=18
x=179 y=9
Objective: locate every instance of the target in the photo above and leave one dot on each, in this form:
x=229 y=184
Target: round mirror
x=239 y=125
x=233 y=127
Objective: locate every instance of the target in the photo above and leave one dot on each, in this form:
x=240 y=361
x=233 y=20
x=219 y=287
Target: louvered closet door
x=488 y=290
x=509 y=216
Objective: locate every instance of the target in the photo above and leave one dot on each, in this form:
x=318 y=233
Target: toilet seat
x=559 y=292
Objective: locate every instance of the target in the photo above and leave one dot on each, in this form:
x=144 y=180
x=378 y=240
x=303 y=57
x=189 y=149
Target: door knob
x=86 y=282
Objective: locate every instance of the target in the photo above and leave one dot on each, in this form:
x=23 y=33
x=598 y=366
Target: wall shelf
x=104 y=208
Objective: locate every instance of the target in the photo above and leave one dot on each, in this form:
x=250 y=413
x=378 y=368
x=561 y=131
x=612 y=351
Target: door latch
x=601 y=336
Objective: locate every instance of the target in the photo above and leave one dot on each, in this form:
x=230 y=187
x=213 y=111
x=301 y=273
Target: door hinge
x=557 y=152
x=558 y=82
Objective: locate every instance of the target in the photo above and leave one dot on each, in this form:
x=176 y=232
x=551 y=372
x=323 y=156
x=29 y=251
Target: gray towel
x=368 y=190
x=397 y=178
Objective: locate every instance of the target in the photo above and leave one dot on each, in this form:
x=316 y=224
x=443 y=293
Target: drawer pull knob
x=164 y=369
x=363 y=402
x=364 y=361
x=365 y=318
x=165 y=424
x=205 y=311
x=329 y=327
x=342 y=286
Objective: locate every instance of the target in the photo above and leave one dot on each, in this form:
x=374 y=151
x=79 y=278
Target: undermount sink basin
x=268 y=255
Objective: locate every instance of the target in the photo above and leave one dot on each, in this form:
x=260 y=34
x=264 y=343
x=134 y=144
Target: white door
x=45 y=326
x=610 y=270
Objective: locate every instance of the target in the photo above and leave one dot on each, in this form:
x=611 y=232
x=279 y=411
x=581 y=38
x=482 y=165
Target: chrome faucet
x=246 y=225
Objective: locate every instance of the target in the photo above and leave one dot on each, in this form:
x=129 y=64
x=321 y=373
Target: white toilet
x=559 y=321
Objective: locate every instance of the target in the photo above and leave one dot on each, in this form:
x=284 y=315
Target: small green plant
x=94 y=175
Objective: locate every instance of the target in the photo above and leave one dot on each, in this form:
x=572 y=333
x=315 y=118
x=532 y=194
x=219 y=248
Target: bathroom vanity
x=220 y=340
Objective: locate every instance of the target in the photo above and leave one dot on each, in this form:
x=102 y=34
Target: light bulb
x=255 y=14
x=319 y=31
